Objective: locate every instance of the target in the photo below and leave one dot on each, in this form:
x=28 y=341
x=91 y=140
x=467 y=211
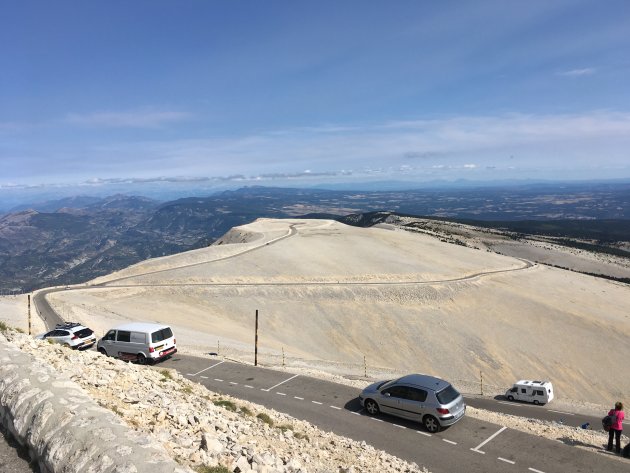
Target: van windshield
x=447 y=395
x=161 y=335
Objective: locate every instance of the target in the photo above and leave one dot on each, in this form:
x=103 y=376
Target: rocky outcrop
x=63 y=427
x=195 y=427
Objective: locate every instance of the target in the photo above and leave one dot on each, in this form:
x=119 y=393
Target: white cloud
x=127 y=119
x=578 y=72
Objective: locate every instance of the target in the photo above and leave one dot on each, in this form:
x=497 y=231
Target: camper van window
x=523 y=391
x=539 y=393
x=124 y=336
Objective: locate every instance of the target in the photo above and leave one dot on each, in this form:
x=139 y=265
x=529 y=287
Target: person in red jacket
x=616 y=427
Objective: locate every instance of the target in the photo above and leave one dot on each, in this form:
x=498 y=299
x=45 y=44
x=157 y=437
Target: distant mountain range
x=76 y=239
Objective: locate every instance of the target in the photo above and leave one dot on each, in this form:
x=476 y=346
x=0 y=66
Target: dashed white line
x=219 y=380
x=399 y=426
x=535 y=470
x=426 y=434
x=317 y=402
x=561 y=412
x=476 y=449
x=232 y=382
x=335 y=407
x=355 y=413
x=377 y=420
x=298 y=397
x=272 y=387
x=248 y=386
x=204 y=377
x=506 y=460
x=449 y=441
x=281 y=394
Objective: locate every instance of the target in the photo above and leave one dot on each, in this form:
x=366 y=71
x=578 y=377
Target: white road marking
x=450 y=441
x=506 y=460
x=298 y=397
x=219 y=380
x=535 y=470
x=281 y=394
x=189 y=374
x=204 y=377
x=248 y=386
x=232 y=382
x=355 y=413
x=281 y=383
x=317 y=402
x=206 y=369
x=377 y=420
x=561 y=412
x=426 y=434
x=476 y=449
x=335 y=407
x=399 y=426
x=512 y=404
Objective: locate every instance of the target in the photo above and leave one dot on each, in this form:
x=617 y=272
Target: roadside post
x=29 y=315
x=256 y=342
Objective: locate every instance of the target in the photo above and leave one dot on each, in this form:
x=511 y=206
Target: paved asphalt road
x=470 y=445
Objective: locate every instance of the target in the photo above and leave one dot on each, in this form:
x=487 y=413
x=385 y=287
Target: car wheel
x=536 y=401
x=102 y=351
x=371 y=407
x=431 y=424
x=510 y=398
x=142 y=360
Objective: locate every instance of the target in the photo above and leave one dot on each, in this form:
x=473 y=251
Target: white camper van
x=538 y=392
x=141 y=342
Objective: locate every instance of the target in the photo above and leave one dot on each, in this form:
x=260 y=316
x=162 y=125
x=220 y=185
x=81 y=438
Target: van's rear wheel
x=431 y=424
x=141 y=359
x=102 y=351
x=536 y=401
x=510 y=398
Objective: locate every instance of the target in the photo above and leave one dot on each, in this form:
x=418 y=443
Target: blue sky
x=287 y=92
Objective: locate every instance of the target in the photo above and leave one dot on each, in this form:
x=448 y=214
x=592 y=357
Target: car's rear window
x=447 y=395
x=84 y=332
x=161 y=335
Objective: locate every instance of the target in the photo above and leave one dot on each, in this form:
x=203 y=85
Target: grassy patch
x=187 y=390
x=265 y=418
x=3 y=327
x=212 y=469
x=167 y=375
x=285 y=427
x=245 y=410
x=229 y=405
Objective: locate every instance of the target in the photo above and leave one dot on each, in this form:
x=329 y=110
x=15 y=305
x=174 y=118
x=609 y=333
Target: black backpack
x=607 y=422
x=626 y=451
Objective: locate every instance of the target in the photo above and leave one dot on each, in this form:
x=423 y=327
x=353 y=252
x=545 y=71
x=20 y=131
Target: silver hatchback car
x=426 y=399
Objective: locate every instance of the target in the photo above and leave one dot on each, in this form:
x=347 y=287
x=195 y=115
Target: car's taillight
x=151 y=349
x=74 y=337
x=441 y=410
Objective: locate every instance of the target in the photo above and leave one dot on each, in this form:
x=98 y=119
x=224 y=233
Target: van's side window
x=138 y=337
x=124 y=336
x=523 y=390
x=111 y=335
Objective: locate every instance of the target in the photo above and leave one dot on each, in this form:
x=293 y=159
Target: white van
x=141 y=342
x=538 y=392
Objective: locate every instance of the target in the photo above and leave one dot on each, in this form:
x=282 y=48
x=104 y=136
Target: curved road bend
x=471 y=445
